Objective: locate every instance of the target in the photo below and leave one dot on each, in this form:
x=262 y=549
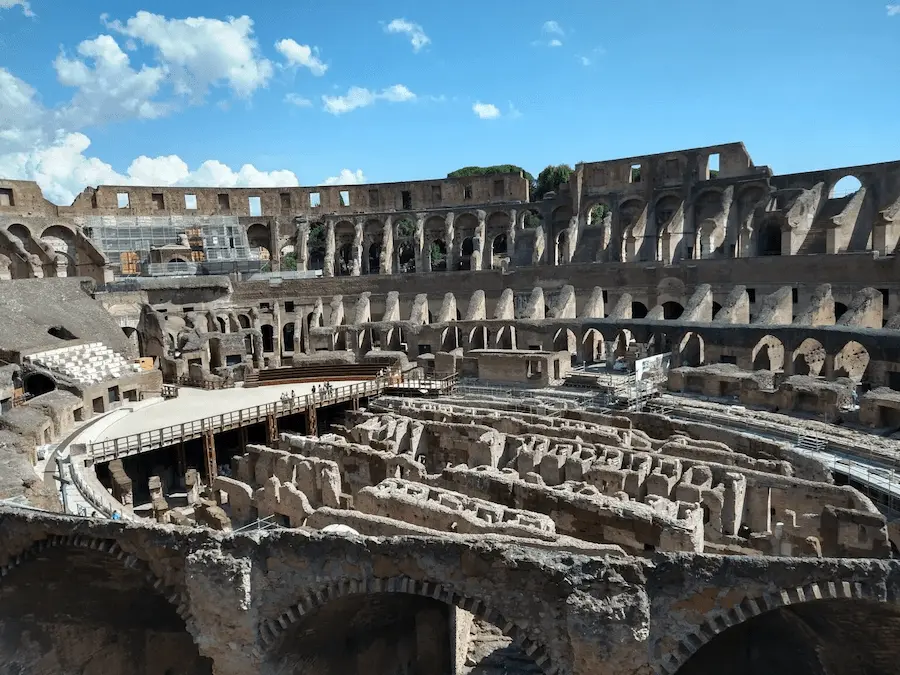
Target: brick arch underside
x=273 y=630
x=747 y=610
x=73 y=551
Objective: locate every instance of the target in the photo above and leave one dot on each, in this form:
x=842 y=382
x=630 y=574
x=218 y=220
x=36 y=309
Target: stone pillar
x=478 y=241
x=387 y=246
x=422 y=248
x=276 y=332
x=511 y=234
x=223 y=619
x=828 y=367
x=328 y=265
x=449 y=235
x=301 y=247
x=359 y=226
x=275 y=243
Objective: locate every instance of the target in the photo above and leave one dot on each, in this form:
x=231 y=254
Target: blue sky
x=87 y=88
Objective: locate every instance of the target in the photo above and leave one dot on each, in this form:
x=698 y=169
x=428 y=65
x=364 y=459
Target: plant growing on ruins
x=289 y=262
x=469 y=171
x=533 y=220
x=406 y=228
x=549 y=180
x=599 y=213
x=438 y=257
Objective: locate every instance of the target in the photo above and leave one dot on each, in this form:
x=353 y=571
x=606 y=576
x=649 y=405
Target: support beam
x=272 y=428
x=209 y=451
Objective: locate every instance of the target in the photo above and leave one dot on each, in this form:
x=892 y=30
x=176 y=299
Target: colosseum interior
x=647 y=424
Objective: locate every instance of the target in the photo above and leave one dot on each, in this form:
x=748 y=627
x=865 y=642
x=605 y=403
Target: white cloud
x=514 y=112
x=199 y=53
x=893 y=10
x=417 y=36
x=298 y=100
x=301 y=55
x=359 y=97
x=9 y=4
x=62 y=169
x=107 y=87
x=346 y=177
x=552 y=28
x=554 y=43
x=486 y=111
x=585 y=61
x=23 y=118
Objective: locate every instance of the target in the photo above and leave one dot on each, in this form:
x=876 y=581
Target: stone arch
x=624 y=339
x=564 y=341
x=344 y=260
x=852 y=361
x=244 y=321
x=506 y=337
x=37 y=383
x=592 y=346
x=498 y=220
x=272 y=631
x=287 y=337
x=259 y=236
x=479 y=338
x=692 y=350
x=845 y=186
x=499 y=249
x=374 y=258
x=437 y=253
x=809 y=358
x=672 y=310
x=223 y=324
x=450 y=339
x=561 y=245
x=718 y=621
x=406 y=257
x=768 y=354
x=146 y=587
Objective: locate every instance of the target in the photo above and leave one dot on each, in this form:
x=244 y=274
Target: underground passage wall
x=827 y=637
x=71 y=610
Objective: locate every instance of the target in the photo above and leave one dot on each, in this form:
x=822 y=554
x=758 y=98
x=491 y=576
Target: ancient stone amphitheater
x=647 y=424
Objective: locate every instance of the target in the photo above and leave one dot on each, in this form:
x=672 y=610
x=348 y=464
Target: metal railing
x=113 y=448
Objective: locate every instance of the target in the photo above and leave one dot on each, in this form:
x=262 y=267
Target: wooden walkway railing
x=132 y=444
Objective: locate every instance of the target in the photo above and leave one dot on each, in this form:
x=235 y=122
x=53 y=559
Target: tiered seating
x=86 y=363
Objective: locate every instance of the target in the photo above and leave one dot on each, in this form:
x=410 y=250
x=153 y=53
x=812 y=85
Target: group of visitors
x=324 y=390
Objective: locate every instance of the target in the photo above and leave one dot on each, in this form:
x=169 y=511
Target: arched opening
x=77 y=610
x=65 y=265
x=498 y=250
x=268 y=337
x=809 y=358
x=769 y=239
x=287 y=341
x=466 y=249
x=393 y=633
x=244 y=320
x=846 y=186
x=258 y=236
x=375 y=258
x=37 y=383
x=450 y=339
x=562 y=245
x=638 y=310
x=592 y=346
x=851 y=361
x=177 y=264
x=223 y=325
x=768 y=354
x=716 y=308
x=839 y=310
x=406 y=258
x=134 y=339
x=622 y=343
x=506 y=338
x=479 y=338
x=820 y=637
x=672 y=310
x=692 y=350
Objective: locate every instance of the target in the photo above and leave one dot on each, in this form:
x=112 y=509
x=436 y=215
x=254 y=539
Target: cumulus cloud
x=416 y=33
x=9 y=4
x=62 y=169
x=360 y=97
x=298 y=100
x=199 y=53
x=893 y=10
x=107 y=87
x=301 y=56
x=486 y=111
x=346 y=177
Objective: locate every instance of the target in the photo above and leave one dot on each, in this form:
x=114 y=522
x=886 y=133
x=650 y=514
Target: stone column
x=478 y=241
x=421 y=246
x=449 y=235
x=328 y=267
x=276 y=332
x=511 y=233
x=275 y=243
x=359 y=225
x=387 y=246
x=223 y=620
x=301 y=247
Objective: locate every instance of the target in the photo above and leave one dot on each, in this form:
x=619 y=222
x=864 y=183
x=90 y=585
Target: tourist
x=116 y=515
